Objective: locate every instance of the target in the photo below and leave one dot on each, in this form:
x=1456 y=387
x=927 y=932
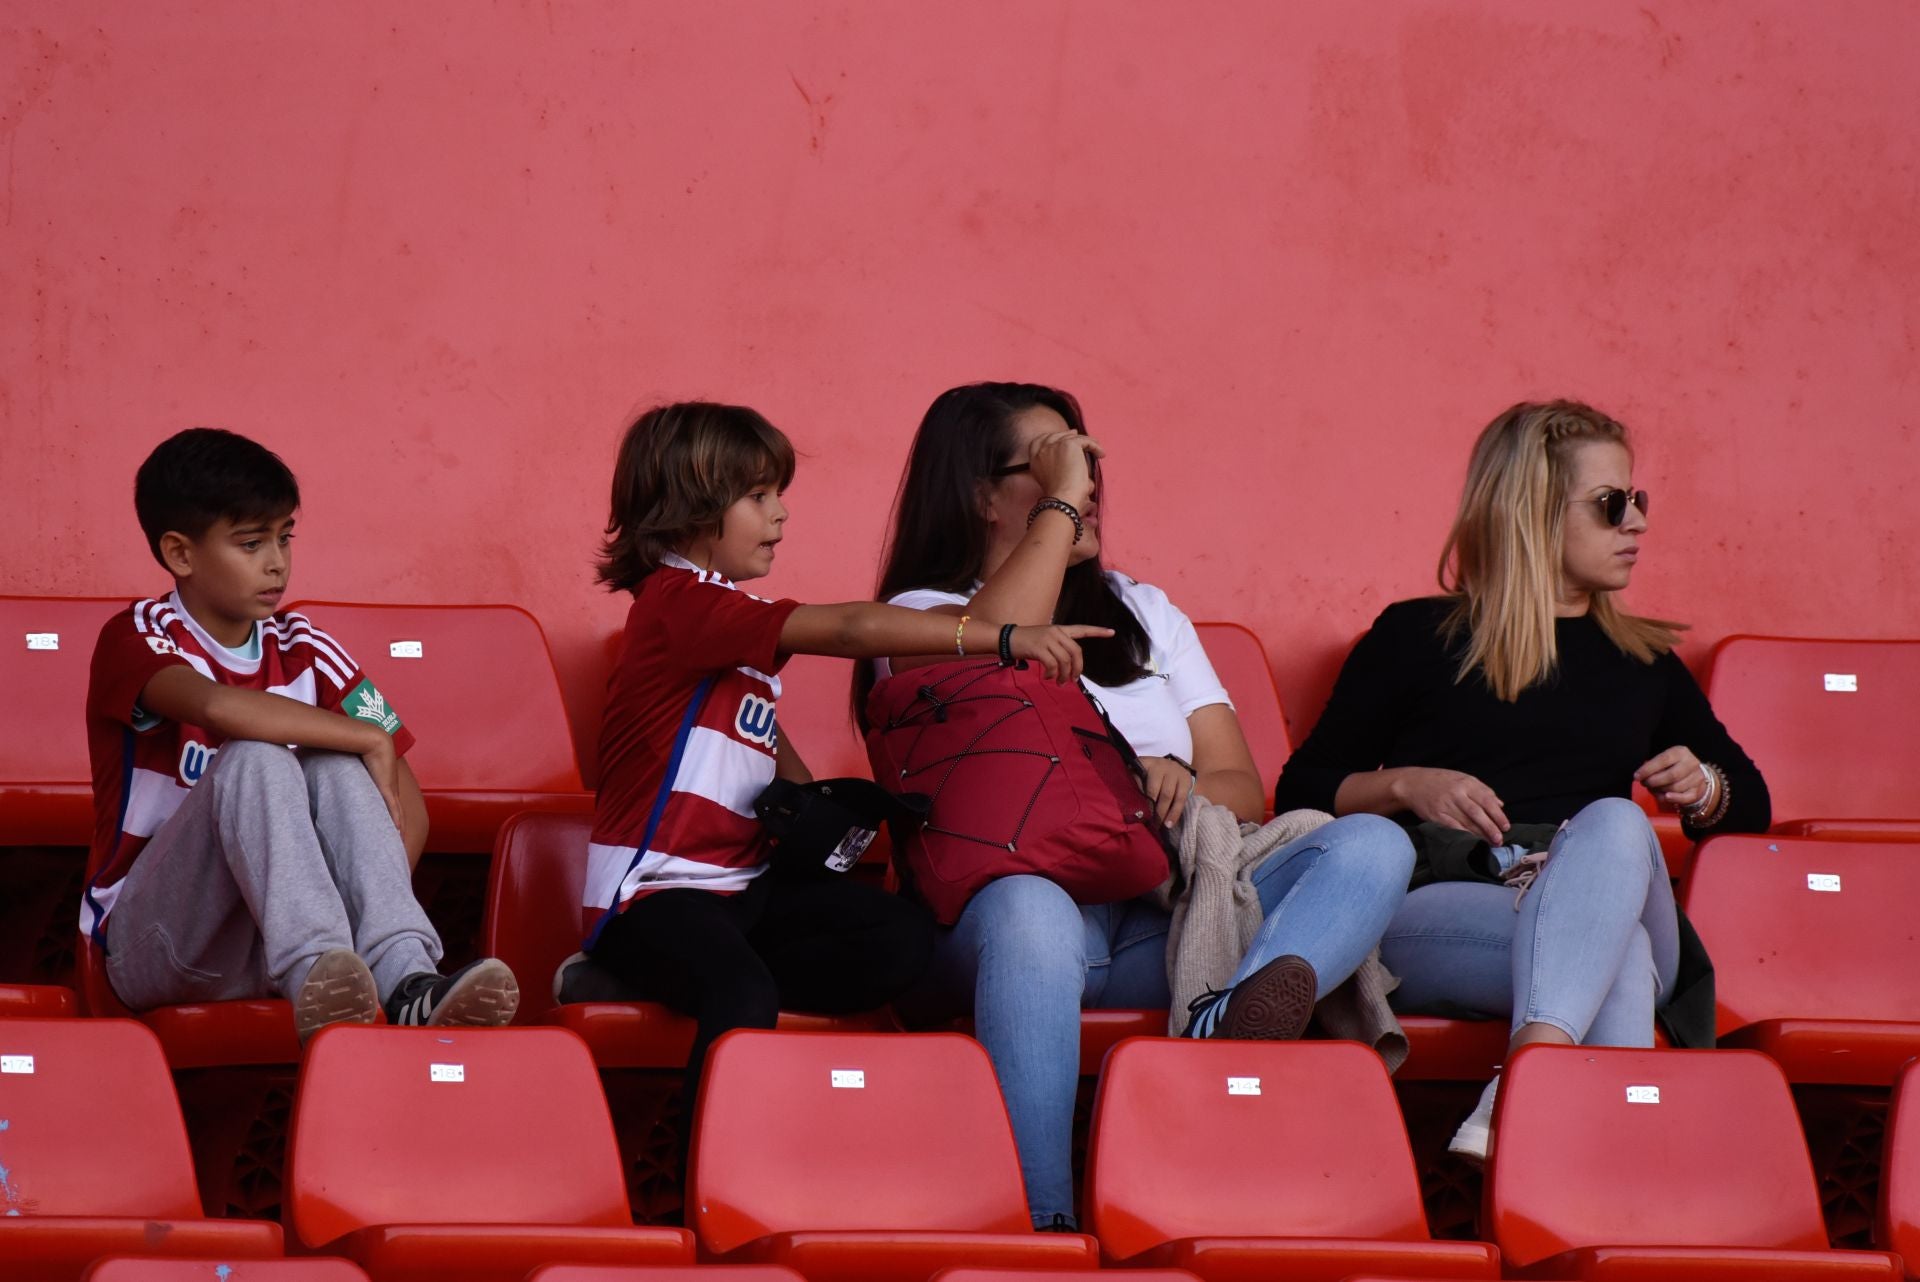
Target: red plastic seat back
x=814 y=711
x=152 y=1269
x=1830 y=723
x=476 y=683
x=1898 y=1227
x=1800 y=927
x=833 y=1131
x=665 y=1273
x=533 y=901
x=1597 y=1146
x=89 y=1123
x=1240 y=662
x=1226 y=1139
x=450 y=1126
x=46 y=781
x=35 y=1001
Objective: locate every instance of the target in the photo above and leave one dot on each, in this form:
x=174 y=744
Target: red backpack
x=1024 y=775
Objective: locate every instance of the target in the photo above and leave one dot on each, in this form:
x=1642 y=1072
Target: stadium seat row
x=1811 y=938
x=1825 y=719
x=420 y=1153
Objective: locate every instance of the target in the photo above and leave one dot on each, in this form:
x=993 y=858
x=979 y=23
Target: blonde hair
x=1502 y=559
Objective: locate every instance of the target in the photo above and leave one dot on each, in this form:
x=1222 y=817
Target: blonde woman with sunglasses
x=1505 y=722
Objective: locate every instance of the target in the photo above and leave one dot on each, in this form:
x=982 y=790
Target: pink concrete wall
x=1290 y=256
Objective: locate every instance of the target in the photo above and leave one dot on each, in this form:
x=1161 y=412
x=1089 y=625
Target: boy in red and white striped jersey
x=681 y=904
x=255 y=820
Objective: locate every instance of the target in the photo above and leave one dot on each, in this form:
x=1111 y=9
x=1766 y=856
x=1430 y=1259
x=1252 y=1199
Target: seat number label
x=16 y=1063
x=406 y=650
x=43 y=640
x=1843 y=683
x=1243 y=1086
x=446 y=1072
x=1643 y=1094
x=1827 y=881
x=849 y=1079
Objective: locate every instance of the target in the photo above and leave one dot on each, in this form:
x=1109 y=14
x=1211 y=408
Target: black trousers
x=827 y=946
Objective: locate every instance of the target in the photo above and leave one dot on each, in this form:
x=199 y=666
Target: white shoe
x=1475 y=1136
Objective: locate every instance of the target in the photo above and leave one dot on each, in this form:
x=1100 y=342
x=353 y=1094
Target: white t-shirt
x=1152 y=711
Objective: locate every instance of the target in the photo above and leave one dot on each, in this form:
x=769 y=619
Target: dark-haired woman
x=999 y=515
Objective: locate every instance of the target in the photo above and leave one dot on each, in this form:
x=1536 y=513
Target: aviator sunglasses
x=1613 y=504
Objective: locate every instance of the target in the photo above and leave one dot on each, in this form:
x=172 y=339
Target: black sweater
x=1566 y=741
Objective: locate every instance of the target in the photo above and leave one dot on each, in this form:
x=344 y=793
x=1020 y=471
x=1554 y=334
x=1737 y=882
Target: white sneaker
x=1475 y=1136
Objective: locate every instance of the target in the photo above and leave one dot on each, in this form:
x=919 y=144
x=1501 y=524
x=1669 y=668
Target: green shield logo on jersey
x=365 y=703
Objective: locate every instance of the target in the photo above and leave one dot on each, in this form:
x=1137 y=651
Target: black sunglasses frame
x=1613 y=504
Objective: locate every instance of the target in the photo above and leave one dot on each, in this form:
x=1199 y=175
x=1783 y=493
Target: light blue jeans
x=1592 y=948
x=1024 y=958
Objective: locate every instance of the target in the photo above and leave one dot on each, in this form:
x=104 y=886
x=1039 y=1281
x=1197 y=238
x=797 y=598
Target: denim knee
x=1370 y=852
x=1619 y=820
x=1029 y=924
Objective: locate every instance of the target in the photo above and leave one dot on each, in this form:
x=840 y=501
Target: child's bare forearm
x=183 y=695
x=869 y=630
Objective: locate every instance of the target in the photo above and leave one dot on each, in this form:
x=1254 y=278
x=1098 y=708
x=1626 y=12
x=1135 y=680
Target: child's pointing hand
x=1055 y=647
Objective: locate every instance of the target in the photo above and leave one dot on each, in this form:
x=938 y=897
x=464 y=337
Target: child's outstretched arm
x=869 y=630
x=178 y=693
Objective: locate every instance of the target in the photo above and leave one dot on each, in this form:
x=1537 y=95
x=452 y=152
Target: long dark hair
x=939 y=539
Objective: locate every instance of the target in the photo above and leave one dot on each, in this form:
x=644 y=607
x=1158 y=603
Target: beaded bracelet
x=1006 y=643
x=960 y=636
x=1714 y=805
x=1059 y=505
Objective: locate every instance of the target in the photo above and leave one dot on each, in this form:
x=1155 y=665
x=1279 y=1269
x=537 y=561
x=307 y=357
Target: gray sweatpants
x=274 y=858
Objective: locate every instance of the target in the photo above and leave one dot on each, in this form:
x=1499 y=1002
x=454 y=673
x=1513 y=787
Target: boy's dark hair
x=207 y=474
x=680 y=467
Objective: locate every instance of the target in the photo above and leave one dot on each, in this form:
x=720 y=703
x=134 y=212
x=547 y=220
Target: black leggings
x=826 y=946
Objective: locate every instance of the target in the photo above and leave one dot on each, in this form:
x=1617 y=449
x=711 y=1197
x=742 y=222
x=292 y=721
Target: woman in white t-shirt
x=999 y=516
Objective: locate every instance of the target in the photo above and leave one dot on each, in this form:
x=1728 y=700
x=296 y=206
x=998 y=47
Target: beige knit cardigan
x=1218 y=913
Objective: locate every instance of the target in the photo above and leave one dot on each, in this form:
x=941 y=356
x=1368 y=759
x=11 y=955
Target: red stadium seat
x=861 y=1158
x=1675 y=845
x=664 y=1273
x=1452 y=1050
x=131 y=1268
x=35 y=1001
x=435 y=1153
x=1614 y=1164
x=46 y=778
x=1830 y=725
x=202 y=1034
x=477 y=685
x=815 y=712
x=1248 y=1161
x=965 y=1274
x=1240 y=662
x=1898 y=1226
x=93 y=1155
x=533 y=924
x=1812 y=946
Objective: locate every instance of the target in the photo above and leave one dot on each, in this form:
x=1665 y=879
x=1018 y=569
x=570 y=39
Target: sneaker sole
x=338 y=990
x=484 y=997
x=1470 y=1144
x=1273 y=1004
